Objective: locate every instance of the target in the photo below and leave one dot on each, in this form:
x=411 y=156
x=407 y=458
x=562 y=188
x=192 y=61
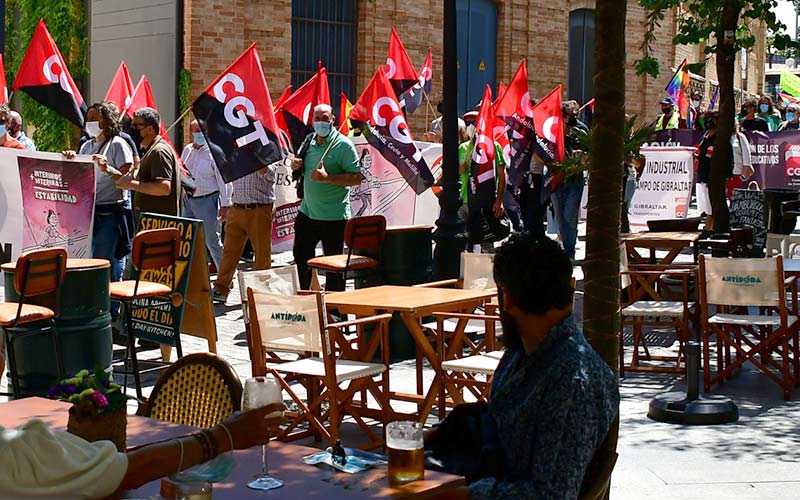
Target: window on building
x=325 y=31
x=580 y=85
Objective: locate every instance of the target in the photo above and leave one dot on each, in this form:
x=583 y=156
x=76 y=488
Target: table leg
x=415 y=328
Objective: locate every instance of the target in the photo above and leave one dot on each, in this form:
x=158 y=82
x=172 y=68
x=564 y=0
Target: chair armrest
x=360 y=321
x=143 y=410
x=669 y=272
x=452 y=315
x=661 y=267
x=438 y=284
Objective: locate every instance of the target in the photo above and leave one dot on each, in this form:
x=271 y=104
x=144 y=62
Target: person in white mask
x=113 y=158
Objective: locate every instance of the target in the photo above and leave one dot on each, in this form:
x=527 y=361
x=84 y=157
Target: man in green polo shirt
x=330 y=167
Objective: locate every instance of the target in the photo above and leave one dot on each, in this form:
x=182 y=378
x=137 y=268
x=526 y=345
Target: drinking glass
x=194 y=491
x=406 y=451
x=259 y=392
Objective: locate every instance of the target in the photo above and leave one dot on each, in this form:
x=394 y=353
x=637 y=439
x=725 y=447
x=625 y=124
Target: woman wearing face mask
x=792 y=118
x=768 y=113
x=113 y=157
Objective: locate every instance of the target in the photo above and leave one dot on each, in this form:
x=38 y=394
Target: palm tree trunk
x=726 y=65
x=601 y=278
x=601 y=303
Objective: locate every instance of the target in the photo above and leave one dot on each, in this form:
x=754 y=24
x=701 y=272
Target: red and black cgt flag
x=481 y=170
x=500 y=131
x=386 y=130
x=550 y=129
x=236 y=110
x=513 y=108
x=3 y=85
x=43 y=75
x=399 y=69
x=295 y=115
x=121 y=88
x=549 y=124
x=413 y=98
x=282 y=99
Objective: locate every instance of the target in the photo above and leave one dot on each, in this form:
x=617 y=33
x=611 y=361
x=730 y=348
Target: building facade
x=351 y=38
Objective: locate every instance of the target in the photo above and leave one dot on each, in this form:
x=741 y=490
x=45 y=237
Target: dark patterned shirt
x=552 y=408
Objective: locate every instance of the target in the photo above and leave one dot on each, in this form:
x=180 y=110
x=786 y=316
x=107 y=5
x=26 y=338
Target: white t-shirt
x=118 y=153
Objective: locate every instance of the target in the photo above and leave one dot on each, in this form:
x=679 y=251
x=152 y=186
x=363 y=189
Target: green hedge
x=66 y=22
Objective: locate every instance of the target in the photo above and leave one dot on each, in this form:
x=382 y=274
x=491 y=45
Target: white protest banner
x=45 y=201
x=665 y=187
x=384 y=191
x=286 y=205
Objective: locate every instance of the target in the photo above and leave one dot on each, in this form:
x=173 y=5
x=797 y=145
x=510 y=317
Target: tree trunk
x=726 y=65
x=601 y=285
x=601 y=276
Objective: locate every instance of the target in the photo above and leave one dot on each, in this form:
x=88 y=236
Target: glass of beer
x=406 y=452
x=194 y=491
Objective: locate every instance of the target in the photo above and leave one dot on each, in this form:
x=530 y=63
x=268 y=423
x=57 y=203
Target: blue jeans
x=105 y=237
x=206 y=209
x=566 y=200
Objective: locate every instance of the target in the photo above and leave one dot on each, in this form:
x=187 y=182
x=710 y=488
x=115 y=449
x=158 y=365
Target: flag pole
x=169 y=129
x=430 y=105
x=427 y=122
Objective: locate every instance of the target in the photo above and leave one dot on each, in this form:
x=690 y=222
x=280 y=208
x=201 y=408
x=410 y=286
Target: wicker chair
x=199 y=390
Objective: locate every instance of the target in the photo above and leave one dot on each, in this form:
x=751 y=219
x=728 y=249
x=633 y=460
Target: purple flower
x=55 y=392
x=69 y=389
x=99 y=399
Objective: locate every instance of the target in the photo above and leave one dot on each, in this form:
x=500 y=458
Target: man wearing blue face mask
x=792 y=118
x=205 y=204
x=330 y=167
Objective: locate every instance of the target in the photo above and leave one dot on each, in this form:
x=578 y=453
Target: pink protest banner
x=58 y=203
x=384 y=191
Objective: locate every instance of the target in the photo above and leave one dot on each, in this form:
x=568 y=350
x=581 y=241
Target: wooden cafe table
x=674 y=242
x=411 y=304
x=285 y=462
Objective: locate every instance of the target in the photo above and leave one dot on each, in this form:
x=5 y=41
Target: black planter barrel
x=773 y=197
x=83 y=323
x=407 y=259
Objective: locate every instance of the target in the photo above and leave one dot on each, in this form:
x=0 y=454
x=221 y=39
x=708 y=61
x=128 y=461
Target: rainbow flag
x=678 y=89
x=787 y=99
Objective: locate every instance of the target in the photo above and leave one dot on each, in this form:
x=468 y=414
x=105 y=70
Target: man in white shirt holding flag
x=211 y=194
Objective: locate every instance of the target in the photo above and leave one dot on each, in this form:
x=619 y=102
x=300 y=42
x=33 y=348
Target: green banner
x=152 y=319
x=790 y=83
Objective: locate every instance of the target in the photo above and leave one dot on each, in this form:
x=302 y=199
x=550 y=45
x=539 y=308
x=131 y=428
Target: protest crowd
x=519 y=202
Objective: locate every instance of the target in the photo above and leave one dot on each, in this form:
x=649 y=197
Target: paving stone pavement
x=756 y=458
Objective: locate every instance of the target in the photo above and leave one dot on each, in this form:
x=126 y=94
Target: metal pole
x=449 y=234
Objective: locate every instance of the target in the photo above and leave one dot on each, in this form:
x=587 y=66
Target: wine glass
x=260 y=392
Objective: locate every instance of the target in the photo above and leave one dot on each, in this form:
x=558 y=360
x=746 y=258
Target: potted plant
x=98 y=407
